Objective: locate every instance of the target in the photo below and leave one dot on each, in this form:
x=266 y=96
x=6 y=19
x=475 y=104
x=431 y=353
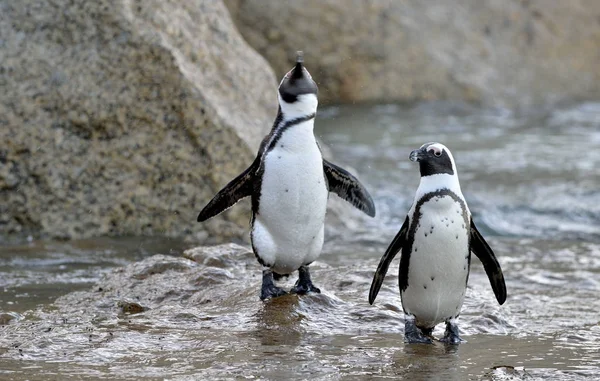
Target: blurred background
x=125 y=117
x=120 y=119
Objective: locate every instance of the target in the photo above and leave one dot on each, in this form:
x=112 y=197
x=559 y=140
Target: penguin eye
x=436 y=151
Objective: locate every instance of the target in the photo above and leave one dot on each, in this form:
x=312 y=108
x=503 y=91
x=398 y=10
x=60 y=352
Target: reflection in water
x=279 y=322
x=539 y=209
x=427 y=362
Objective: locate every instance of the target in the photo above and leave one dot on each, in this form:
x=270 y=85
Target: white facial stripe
x=439 y=147
x=436 y=182
x=305 y=104
x=287 y=75
x=436 y=149
x=306 y=72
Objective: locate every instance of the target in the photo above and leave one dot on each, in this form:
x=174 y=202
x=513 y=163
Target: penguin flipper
x=482 y=250
x=238 y=188
x=345 y=185
x=396 y=245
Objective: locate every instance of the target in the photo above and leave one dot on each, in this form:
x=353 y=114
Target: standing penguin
x=289 y=183
x=436 y=239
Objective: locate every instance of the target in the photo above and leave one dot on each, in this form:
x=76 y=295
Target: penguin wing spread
x=492 y=268
x=238 y=188
x=342 y=183
x=396 y=245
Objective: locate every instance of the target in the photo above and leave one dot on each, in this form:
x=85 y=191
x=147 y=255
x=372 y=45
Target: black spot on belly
x=281 y=146
x=415 y=249
x=425 y=286
x=279 y=157
x=432 y=278
x=287 y=190
x=457 y=236
x=415 y=225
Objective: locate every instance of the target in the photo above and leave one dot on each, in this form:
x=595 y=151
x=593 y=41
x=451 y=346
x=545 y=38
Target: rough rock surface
x=125 y=117
x=514 y=53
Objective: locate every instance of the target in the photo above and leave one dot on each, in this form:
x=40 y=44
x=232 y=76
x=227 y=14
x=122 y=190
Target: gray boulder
x=498 y=52
x=125 y=117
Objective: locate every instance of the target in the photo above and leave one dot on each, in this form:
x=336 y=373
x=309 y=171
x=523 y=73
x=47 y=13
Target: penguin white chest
x=439 y=262
x=288 y=228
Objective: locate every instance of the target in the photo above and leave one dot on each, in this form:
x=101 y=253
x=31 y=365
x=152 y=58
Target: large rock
x=125 y=117
x=514 y=53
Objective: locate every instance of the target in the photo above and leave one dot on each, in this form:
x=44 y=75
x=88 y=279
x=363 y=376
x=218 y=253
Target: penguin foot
x=272 y=291
x=302 y=289
x=412 y=333
x=304 y=285
x=451 y=336
x=268 y=289
x=416 y=338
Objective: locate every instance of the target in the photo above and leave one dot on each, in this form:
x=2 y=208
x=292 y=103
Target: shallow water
x=39 y=271
x=532 y=183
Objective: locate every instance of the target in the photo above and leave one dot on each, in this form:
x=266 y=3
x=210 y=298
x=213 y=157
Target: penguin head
x=434 y=159
x=298 y=91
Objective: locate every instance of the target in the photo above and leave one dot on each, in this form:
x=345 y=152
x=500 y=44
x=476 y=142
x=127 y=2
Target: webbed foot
x=451 y=336
x=268 y=289
x=412 y=333
x=304 y=285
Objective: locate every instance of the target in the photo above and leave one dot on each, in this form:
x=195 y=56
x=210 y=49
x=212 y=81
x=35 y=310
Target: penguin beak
x=297 y=81
x=417 y=155
x=298 y=71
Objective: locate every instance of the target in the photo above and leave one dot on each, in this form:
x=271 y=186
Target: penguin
x=436 y=240
x=289 y=184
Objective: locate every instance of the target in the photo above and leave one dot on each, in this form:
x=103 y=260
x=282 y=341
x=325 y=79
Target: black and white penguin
x=436 y=240
x=289 y=183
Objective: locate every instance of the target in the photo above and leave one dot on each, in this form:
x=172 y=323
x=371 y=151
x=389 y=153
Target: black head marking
x=297 y=82
x=433 y=159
